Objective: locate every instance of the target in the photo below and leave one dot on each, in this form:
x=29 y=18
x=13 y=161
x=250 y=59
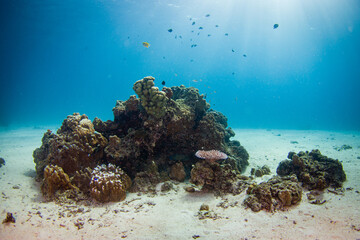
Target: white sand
x=173 y=215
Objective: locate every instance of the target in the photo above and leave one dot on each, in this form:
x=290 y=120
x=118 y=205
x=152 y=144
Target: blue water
x=60 y=57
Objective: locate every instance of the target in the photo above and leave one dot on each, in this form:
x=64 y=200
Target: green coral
x=153 y=100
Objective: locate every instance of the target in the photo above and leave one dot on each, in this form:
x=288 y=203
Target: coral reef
x=109 y=183
x=184 y=125
x=276 y=194
x=147 y=180
x=152 y=138
x=314 y=170
x=76 y=146
x=260 y=171
x=220 y=179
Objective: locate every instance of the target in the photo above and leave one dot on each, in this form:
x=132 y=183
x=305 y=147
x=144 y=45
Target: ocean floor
x=174 y=214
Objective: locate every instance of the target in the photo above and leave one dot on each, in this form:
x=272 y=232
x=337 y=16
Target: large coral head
x=211 y=155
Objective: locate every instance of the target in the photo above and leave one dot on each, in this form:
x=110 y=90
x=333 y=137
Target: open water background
x=60 y=57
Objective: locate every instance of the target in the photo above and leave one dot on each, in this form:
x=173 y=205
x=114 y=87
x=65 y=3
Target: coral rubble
x=313 y=169
x=276 y=194
x=152 y=138
x=9 y=218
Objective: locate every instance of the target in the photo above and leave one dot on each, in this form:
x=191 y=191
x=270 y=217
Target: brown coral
x=75 y=146
x=177 y=172
x=55 y=179
x=275 y=194
x=218 y=178
x=109 y=183
x=313 y=169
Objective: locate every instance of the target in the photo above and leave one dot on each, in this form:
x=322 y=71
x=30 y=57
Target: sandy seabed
x=174 y=215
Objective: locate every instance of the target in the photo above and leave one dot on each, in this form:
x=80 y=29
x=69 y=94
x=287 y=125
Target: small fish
x=195 y=80
x=232 y=50
x=193 y=23
x=146 y=44
x=244 y=55
x=175 y=74
x=201 y=28
x=226 y=34
x=209 y=35
x=194 y=45
x=233 y=73
x=170 y=30
x=163 y=82
x=191 y=60
x=207 y=15
x=216 y=25
x=276 y=25
x=180 y=36
x=163 y=57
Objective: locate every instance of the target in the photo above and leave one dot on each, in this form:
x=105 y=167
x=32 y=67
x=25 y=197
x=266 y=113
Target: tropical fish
x=209 y=35
x=226 y=34
x=201 y=28
x=146 y=44
x=276 y=25
x=163 y=82
x=244 y=55
x=232 y=50
x=216 y=25
x=170 y=30
x=195 y=80
x=193 y=23
x=207 y=15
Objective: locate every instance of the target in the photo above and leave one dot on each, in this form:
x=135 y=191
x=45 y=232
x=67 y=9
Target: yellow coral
x=153 y=100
